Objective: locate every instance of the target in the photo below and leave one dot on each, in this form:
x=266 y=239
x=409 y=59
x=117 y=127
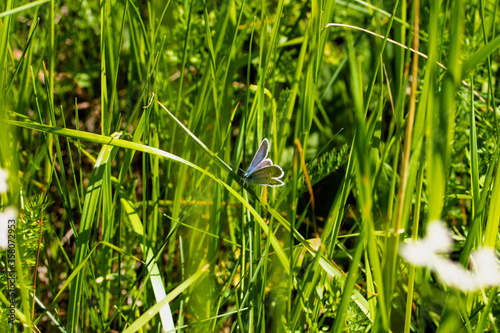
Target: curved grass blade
x=152 y=266
x=146 y=317
x=150 y=150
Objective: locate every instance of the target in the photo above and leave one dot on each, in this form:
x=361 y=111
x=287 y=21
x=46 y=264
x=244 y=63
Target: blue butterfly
x=262 y=171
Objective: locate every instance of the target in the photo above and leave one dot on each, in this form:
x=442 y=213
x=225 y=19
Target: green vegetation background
x=125 y=127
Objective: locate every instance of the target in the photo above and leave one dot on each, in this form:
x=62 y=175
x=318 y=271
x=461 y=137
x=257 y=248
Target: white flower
x=418 y=254
x=485 y=262
x=7 y=222
x=485 y=268
x=454 y=275
x=437 y=240
x=3 y=181
x=485 y=271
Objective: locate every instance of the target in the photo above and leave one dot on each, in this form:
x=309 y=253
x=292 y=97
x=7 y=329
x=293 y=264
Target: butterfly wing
x=274 y=182
x=265 y=163
x=259 y=157
x=268 y=175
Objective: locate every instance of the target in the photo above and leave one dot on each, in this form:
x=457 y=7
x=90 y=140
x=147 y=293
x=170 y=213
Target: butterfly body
x=262 y=171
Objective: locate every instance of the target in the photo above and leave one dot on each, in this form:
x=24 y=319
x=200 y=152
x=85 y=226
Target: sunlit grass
x=125 y=128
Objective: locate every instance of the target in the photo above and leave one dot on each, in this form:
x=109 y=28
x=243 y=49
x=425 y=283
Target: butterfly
x=262 y=171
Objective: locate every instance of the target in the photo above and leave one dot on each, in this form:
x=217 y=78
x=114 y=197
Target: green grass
x=126 y=127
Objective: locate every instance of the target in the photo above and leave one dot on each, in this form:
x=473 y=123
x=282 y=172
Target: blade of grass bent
x=216 y=158
x=154 y=272
x=150 y=150
x=480 y=55
x=146 y=317
x=23 y=8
